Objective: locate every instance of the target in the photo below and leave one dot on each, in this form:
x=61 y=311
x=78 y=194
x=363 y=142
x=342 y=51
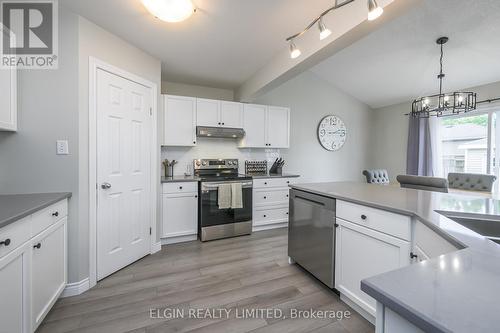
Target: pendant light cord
x=441 y=75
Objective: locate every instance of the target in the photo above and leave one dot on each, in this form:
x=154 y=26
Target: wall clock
x=332 y=133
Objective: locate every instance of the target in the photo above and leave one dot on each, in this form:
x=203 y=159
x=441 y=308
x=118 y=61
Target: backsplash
x=215 y=148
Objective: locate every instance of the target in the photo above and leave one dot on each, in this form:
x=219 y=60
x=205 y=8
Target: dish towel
x=224 y=196
x=236 y=196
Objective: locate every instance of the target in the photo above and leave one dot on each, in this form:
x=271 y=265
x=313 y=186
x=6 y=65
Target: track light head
x=374 y=10
x=324 y=32
x=294 y=50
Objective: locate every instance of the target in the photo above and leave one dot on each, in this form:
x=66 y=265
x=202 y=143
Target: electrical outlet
x=62 y=147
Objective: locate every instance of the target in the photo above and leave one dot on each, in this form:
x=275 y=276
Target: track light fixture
x=294 y=51
x=324 y=32
x=374 y=12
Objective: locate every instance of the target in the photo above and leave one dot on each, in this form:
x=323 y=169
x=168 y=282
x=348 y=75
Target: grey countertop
x=179 y=179
x=176 y=179
x=16 y=206
x=456 y=292
x=284 y=175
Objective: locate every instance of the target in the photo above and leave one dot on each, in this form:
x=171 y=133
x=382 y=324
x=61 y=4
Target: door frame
x=95 y=65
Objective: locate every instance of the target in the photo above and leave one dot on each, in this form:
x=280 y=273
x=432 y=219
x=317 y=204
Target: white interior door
x=124 y=127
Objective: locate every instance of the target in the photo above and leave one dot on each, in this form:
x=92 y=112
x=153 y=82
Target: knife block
x=278 y=171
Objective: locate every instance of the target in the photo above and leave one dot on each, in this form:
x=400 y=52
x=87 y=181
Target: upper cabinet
x=266 y=127
x=8 y=98
x=179 y=121
x=215 y=113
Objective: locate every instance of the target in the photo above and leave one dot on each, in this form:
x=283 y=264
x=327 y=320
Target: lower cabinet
x=363 y=252
x=14 y=291
x=179 y=216
x=48 y=269
x=270 y=202
x=32 y=274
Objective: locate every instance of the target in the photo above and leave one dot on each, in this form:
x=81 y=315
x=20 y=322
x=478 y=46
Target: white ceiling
x=400 y=61
x=221 y=45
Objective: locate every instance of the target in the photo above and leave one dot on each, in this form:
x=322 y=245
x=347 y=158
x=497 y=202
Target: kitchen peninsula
x=413 y=260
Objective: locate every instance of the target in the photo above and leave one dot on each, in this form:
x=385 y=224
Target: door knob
x=106 y=186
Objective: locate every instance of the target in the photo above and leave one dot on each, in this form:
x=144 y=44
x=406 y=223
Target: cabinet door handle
x=287 y=195
x=219 y=123
x=413 y=255
x=180 y=187
x=265 y=197
x=196 y=196
x=194 y=142
x=223 y=124
x=336 y=225
x=363 y=217
x=5 y=242
x=37 y=246
x=286 y=213
x=56 y=214
x=265 y=183
x=265 y=215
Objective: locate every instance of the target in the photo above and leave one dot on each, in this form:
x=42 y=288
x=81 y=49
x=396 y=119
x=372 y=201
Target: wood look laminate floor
x=236 y=274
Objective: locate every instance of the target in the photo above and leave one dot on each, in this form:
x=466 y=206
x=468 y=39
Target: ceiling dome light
x=294 y=51
x=324 y=32
x=170 y=10
x=374 y=10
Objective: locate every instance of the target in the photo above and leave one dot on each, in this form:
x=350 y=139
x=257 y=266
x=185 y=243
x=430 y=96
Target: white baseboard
x=76 y=288
x=156 y=247
x=178 y=239
x=269 y=226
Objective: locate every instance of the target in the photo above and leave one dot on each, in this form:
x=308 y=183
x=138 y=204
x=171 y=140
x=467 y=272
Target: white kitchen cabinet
x=271 y=202
x=48 y=269
x=278 y=127
x=8 y=97
x=428 y=244
x=361 y=253
x=33 y=267
x=179 y=121
x=15 y=291
x=231 y=114
x=214 y=113
x=266 y=127
x=179 y=212
x=254 y=124
x=207 y=112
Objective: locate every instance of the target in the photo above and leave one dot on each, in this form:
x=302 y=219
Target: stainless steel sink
x=489 y=228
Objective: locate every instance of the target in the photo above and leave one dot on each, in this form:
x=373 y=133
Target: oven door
x=211 y=215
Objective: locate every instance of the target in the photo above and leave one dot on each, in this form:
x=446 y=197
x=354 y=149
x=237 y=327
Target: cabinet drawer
x=182 y=187
x=48 y=216
x=392 y=224
x=271 y=197
x=15 y=234
x=273 y=182
x=430 y=243
x=270 y=216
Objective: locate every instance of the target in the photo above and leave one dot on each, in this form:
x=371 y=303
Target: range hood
x=219 y=132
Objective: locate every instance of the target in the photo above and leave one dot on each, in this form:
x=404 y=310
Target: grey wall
x=99 y=43
x=47 y=111
x=310 y=99
x=190 y=90
x=390 y=132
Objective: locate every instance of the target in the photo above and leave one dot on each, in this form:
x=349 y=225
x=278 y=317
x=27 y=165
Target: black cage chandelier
x=443 y=104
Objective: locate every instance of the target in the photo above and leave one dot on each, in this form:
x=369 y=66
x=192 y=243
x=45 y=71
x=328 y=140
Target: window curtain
x=419 y=158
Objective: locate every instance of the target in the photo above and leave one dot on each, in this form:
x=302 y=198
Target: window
x=464 y=144
x=468 y=143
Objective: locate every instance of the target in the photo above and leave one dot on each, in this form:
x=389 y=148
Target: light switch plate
x=62 y=147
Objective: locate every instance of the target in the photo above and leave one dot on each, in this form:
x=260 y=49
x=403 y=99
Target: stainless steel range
x=215 y=222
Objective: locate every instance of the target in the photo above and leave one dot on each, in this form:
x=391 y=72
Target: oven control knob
x=204 y=163
x=230 y=163
x=198 y=163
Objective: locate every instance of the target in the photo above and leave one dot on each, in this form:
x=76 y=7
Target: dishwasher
x=311 y=234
